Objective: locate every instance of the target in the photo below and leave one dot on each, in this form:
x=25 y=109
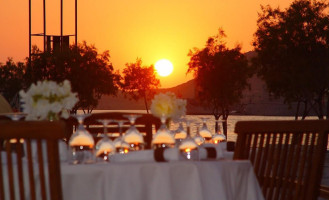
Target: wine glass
x=205 y=132
x=133 y=137
x=218 y=136
x=121 y=146
x=163 y=138
x=16 y=116
x=197 y=137
x=180 y=133
x=188 y=148
x=81 y=143
x=104 y=147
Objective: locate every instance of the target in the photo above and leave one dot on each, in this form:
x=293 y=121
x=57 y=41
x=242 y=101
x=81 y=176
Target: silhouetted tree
x=91 y=74
x=293 y=53
x=221 y=75
x=140 y=81
x=11 y=80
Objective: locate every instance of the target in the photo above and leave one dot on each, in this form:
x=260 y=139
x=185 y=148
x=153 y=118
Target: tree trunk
x=319 y=102
x=305 y=110
x=216 y=122
x=217 y=116
x=320 y=109
x=297 y=110
x=146 y=106
x=224 y=123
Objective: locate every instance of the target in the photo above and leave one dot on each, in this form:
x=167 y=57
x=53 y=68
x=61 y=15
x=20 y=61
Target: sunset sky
x=147 y=29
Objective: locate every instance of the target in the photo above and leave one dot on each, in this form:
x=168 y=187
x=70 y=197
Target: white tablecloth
x=204 y=180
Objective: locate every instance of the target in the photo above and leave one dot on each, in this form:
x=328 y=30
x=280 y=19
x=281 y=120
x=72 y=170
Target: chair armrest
x=324 y=191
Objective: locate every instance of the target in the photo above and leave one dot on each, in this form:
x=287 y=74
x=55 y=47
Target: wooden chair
x=287 y=156
x=145 y=124
x=324 y=191
x=21 y=177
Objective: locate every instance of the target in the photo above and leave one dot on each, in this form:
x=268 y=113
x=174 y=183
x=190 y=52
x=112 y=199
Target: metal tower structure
x=51 y=42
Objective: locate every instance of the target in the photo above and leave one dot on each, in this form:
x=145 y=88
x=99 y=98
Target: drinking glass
x=218 y=136
x=188 y=148
x=104 y=147
x=81 y=143
x=133 y=137
x=205 y=132
x=180 y=133
x=15 y=116
x=163 y=138
x=197 y=137
x=121 y=146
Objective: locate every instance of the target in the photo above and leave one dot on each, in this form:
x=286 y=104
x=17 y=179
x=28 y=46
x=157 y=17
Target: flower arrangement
x=48 y=100
x=166 y=104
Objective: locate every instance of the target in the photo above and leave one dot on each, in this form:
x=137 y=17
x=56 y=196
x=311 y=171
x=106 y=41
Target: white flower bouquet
x=167 y=105
x=48 y=100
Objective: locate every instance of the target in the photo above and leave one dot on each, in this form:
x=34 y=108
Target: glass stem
x=120 y=131
x=216 y=126
x=188 y=130
x=105 y=129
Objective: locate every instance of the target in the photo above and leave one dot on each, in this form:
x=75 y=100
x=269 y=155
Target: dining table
x=223 y=179
x=140 y=175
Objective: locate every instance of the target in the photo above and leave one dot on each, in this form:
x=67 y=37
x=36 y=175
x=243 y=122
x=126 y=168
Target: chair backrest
x=146 y=123
x=287 y=156
x=23 y=175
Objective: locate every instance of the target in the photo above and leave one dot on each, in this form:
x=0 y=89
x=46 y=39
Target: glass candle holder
x=81 y=143
x=163 y=138
x=188 y=148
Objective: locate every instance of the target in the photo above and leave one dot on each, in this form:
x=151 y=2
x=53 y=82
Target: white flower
x=168 y=105
x=55 y=107
x=41 y=109
x=47 y=98
x=69 y=101
x=65 y=114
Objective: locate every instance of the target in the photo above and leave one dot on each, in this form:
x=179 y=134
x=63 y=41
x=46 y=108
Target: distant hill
x=256 y=101
x=185 y=90
x=250 y=54
x=120 y=102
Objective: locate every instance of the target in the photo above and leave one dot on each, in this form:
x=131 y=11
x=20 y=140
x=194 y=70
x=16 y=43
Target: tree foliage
x=91 y=74
x=221 y=75
x=140 y=81
x=11 y=80
x=293 y=52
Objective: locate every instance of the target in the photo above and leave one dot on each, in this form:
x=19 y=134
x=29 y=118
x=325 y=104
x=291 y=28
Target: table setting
x=174 y=144
x=181 y=164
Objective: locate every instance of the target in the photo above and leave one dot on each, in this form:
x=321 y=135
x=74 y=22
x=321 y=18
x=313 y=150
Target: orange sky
x=148 y=29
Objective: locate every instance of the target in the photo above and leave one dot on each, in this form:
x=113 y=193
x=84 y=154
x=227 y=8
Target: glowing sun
x=164 y=67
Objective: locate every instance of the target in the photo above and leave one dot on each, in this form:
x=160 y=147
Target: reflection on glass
x=15 y=116
x=218 y=136
x=188 y=148
x=133 y=137
x=197 y=137
x=163 y=138
x=104 y=147
x=81 y=143
x=121 y=146
x=205 y=132
x=180 y=133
